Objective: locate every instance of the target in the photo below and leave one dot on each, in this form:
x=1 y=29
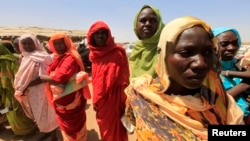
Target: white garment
x=35 y=104
x=33 y=99
x=36 y=107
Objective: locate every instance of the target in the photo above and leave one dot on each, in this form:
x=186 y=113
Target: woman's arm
x=34 y=82
x=238 y=89
x=47 y=78
x=240 y=74
x=41 y=79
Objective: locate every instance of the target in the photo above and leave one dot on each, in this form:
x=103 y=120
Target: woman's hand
x=34 y=82
x=248 y=99
x=81 y=76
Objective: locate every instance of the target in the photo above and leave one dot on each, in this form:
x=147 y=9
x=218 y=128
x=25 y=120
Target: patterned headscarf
x=144 y=54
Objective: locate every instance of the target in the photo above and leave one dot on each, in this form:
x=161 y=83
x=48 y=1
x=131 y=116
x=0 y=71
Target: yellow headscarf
x=168 y=37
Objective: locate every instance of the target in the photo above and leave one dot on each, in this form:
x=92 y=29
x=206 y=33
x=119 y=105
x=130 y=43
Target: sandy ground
x=93 y=130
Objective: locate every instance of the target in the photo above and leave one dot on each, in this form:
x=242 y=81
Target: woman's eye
x=186 y=53
x=208 y=51
x=143 y=20
x=153 y=20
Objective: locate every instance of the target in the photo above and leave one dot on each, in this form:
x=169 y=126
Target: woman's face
x=60 y=46
x=16 y=45
x=147 y=23
x=228 y=44
x=190 y=60
x=28 y=44
x=100 y=37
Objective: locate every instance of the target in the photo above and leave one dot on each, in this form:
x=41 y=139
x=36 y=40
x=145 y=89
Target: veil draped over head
x=168 y=38
x=144 y=54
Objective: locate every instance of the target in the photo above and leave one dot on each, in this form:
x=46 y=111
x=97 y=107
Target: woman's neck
x=177 y=89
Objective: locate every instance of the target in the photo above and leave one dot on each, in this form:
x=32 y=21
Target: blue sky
x=119 y=14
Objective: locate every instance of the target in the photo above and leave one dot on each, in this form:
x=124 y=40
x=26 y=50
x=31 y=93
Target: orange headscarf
x=71 y=49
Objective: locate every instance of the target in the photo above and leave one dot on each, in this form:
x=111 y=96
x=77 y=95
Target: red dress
x=70 y=121
x=110 y=76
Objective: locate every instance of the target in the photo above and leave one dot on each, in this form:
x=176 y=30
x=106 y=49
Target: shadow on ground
x=87 y=106
x=93 y=135
x=6 y=134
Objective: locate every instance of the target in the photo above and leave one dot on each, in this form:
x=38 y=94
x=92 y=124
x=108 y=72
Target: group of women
x=44 y=91
x=180 y=78
x=187 y=94
x=190 y=82
x=175 y=88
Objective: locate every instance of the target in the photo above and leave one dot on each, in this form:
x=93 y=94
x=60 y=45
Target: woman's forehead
x=59 y=39
x=26 y=39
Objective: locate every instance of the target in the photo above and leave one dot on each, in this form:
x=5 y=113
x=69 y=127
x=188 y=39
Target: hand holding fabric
x=81 y=76
x=244 y=62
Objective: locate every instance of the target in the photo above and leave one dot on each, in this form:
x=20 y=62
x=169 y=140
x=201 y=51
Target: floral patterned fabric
x=153 y=125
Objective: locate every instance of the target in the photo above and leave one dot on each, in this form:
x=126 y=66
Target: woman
x=147 y=27
x=17 y=50
x=235 y=81
x=15 y=42
x=20 y=124
x=31 y=95
x=68 y=99
x=188 y=94
x=110 y=76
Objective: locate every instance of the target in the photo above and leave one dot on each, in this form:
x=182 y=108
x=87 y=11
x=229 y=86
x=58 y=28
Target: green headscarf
x=144 y=54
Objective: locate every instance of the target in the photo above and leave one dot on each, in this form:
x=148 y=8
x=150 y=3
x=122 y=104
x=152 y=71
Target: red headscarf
x=97 y=52
x=106 y=62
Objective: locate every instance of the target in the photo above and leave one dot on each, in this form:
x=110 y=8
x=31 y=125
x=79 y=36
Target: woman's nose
x=232 y=47
x=199 y=61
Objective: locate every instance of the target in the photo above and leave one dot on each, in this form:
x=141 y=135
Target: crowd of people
x=181 y=77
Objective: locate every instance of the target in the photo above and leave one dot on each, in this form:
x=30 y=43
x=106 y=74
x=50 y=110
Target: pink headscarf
x=29 y=61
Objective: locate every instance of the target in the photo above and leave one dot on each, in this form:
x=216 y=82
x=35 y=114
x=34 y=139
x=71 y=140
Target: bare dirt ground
x=93 y=130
